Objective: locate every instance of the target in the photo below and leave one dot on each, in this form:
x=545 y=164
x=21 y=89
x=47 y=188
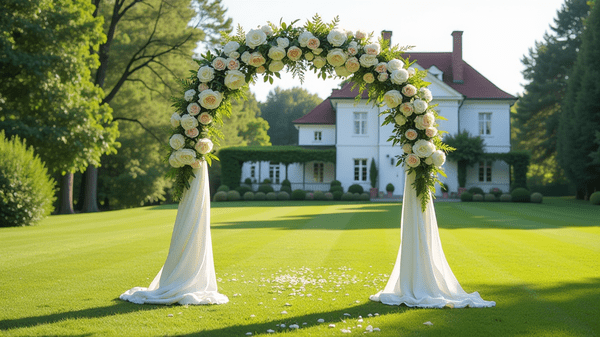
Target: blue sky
x=496 y=33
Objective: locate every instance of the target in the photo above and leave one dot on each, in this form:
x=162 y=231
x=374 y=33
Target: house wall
x=306 y=134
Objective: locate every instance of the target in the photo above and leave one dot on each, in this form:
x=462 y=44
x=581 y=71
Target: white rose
x=400 y=119
x=230 y=47
x=352 y=64
x=206 y=74
x=255 y=37
x=294 y=53
x=175 y=120
x=233 y=64
x=210 y=99
x=197 y=164
x=313 y=43
x=336 y=57
x=205 y=118
x=336 y=37
x=188 y=122
x=428 y=120
x=304 y=37
x=406 y=109
x=204 y=145
x=372 y=49
x=309 y=56
x=425 y=94
x=277 y=53
x=283 y=42
x=413 y=160
x=193 y=109
x=185 y=156
x=256 y=59
x=429 y=161
x=341 y=71
x=409 y=90
x=246 y=57
x=234 y=54
x=276 y=66
x=431 y=132
x=219 y=63
x=439 y=158
x=267 y=29
x=353 y=48
x=407 y=148
x=360 y=34
x=189 y=95
x=392 y=98
x=419 y=123
x=177 y=141
x=411 y=134
x=395 y=64
x=319 y=62
x=420 y=106
x=411 y=72
x=173 y=161
x=423 y=148
x=368 y=60
x=399 y=76
x=234 y=79
x=382 y=77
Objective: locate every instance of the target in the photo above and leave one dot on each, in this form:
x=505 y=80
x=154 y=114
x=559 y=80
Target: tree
x=580 y=115
x=142 y=37
x=546 y=69
x=284 y=106
x=244 y=127
x=373 y=173
x=469 y=151
x=46 y=95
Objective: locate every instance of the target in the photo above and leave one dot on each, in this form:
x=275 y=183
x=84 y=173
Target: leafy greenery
x=373 y=173
x=389 y=187
x=520 y=194
x=469 y=150
x=26 y=188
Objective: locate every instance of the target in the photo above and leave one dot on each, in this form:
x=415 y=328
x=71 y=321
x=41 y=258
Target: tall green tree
x=469 y=151
x=46 y=95
x=244 y=126
x=149 y=44
x=580 y=116
x=546 y=69
x=284 y=106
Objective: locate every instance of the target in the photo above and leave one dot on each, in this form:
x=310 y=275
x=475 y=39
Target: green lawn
x=539 y=262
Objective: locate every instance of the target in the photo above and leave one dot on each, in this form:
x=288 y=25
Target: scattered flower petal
x=428 y=323
x=284 y=312
x=332 y=325
x=320 y=320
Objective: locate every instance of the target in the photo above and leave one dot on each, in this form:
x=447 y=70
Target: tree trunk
x=90 y=203
x=66 y=194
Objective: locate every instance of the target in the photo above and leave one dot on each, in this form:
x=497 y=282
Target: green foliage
x=285 y=188
x=444 y=187
x=249 y=196
x=309 y=196
x=298 y=195
x=26 y=188
x=496 y=192
x=347 y=196
x=595 y=198
x=328 y=196
x=233 y=195
x=336 y=188
x=265 y=188
x=373 y=173
x=476 y=190
x=469 y=151
x=319 y=195
x=466 y=196
x=232 y=158
x=477 y=197
x=580 y=119
x=248 y=181
x=243 y=189
x=506 y=197
x=260 y=196
x=337 y=195
x=244 y=127
x=283 y=196
x=286 y=182
x=365 y=197
x=520 y=194
x=220 y=196
x=335 y=183
x=224 y=188
x=519 y=160
x=490 y=197
x=536 y=197
x=355 y=188
x=390 y=187
x=271 y=196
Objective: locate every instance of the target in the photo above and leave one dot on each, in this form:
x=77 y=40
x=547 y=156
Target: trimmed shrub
x=477 y=197
x=265 y=188
x=328 y=196
x=26 y=189
x=365 y=197
x=496 y=192
x=223 y=188
x=249 y=196
x=505 y=197
x=595 y=198
x=355 y=188
x=283 y=196
x=299 y=195
x=336 y=188
x=220 y=196
x=466 y=196
x=356 y=196
x=319 y=195
x=347 y=196
x=233 y=195
x=285 y=188
x=520 y=194
x=389 y=187
x=287 y=183
x=267 y=181
x=444 y=187
x=336 y=183
x=243 y=189
x=248 y=181
x=537 y=197
x=309 y=196
x=489 y=197
x=337 y=195
x=260 y=196
x=271 y=196
x=475 y=190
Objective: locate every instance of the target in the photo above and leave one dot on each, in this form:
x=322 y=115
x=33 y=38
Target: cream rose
x=205 y=118
x=294 y=53
x=372 y=49
x=219 y=63
x=431 y=132
x=234 y=55
x=173 y=160
x=395 y=64
x=233 y=64
x=423 y=148
x=409 y=90
x=407 y=148
x=341 y=71
x=318 y=51
x=352 y=64
x=261 y=69
x=429 y=161
x=204 y=145
x=360 y=34
x=267 y=30
x=313 y=43
x=185 y=156
x=400 y=119
x=197 y=163
x=420 y=106
x=188 y=122
x=382 y=77
x=175 y=120
x=202 y=87
x=392 y=98
x=255 y=37
x=209 y=99
x=276 y=66
x=304 y=37
x=336 y=37
x=234 y=79
x=419 y=123
x=246 y=57
x=399 y=76
x=193 y=109
x=256 y=59
x=309 y=56
x=192 y=133
x=439 y=158
x=353 y=48
x=276 y=53
x=177 y=141
x=189 y=95
x=425 y=94
x=406 y=109
x=411 y=72
x=411 y=134
x=381 y=67
x=336 y=57
x=230 y=47
x=412 y=160
x=369 y=78
x=206 y=74
x=368 y=60
x=283 y=42
x=428 y=120
x=319 y=62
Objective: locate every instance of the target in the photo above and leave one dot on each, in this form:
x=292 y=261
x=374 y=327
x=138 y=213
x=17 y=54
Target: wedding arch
x=188 y=276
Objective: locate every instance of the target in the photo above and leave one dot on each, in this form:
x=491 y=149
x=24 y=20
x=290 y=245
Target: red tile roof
x=322 y=114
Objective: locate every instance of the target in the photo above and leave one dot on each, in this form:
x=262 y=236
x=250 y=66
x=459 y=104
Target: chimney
x=387 y=36
x=457 y=62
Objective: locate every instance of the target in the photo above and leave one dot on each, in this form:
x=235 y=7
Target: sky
x=496 y=34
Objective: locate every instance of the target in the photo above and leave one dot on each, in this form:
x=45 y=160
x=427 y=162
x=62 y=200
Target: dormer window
x=435 y=71
x=318 y=136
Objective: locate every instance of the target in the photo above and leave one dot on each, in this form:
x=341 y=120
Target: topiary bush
x=336 y=188
x=520 y=194
x=489 y=197
x=26 y=189
x=356 y=196
x=287 y=183
x=266 y=188
x=475 y=190
x=283 y=196
x=223 y=188
x=537 y=197
x=243 y=189
x=260 y=196
x=328 y=196
x=365 y=197
x=335 y=183
x=298 y=195
x=466 y=196
x=220 y=196
x=390 y=187
x=337 y=195
x=319 y=195
x=355 y=188
x=496 y=192
x=347 y=196
x=595 y=198
x=477 y=197
x=309 y=196
x=271 y=196
x=248 y=181
x=233 y=195
x=285 y=188
x=249 y=196
x=505 y=197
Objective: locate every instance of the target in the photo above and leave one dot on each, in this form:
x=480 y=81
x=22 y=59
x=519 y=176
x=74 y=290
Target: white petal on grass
x=428 y=323
x=320 y=320
x=332 y=325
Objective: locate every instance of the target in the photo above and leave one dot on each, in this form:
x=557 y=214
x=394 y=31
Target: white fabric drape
x=188 y=275
x=421 y=276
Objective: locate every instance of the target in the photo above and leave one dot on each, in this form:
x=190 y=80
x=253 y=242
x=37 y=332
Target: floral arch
x=329 y=52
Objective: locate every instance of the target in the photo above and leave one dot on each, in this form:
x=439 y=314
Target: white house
x=465 y=97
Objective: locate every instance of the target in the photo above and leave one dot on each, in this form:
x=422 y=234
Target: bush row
x=517 y=195
x=234 y=195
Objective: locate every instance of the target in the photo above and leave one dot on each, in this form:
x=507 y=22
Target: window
x=360 y=170
x=253 y=171
x=360 y=123
x=317 y=136
x=485 y=171
x=318 y=172
x=274 y=173
x=485 y=123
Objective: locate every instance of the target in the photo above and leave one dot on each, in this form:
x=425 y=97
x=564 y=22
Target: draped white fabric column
x=188 y=275
x=421 y=276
